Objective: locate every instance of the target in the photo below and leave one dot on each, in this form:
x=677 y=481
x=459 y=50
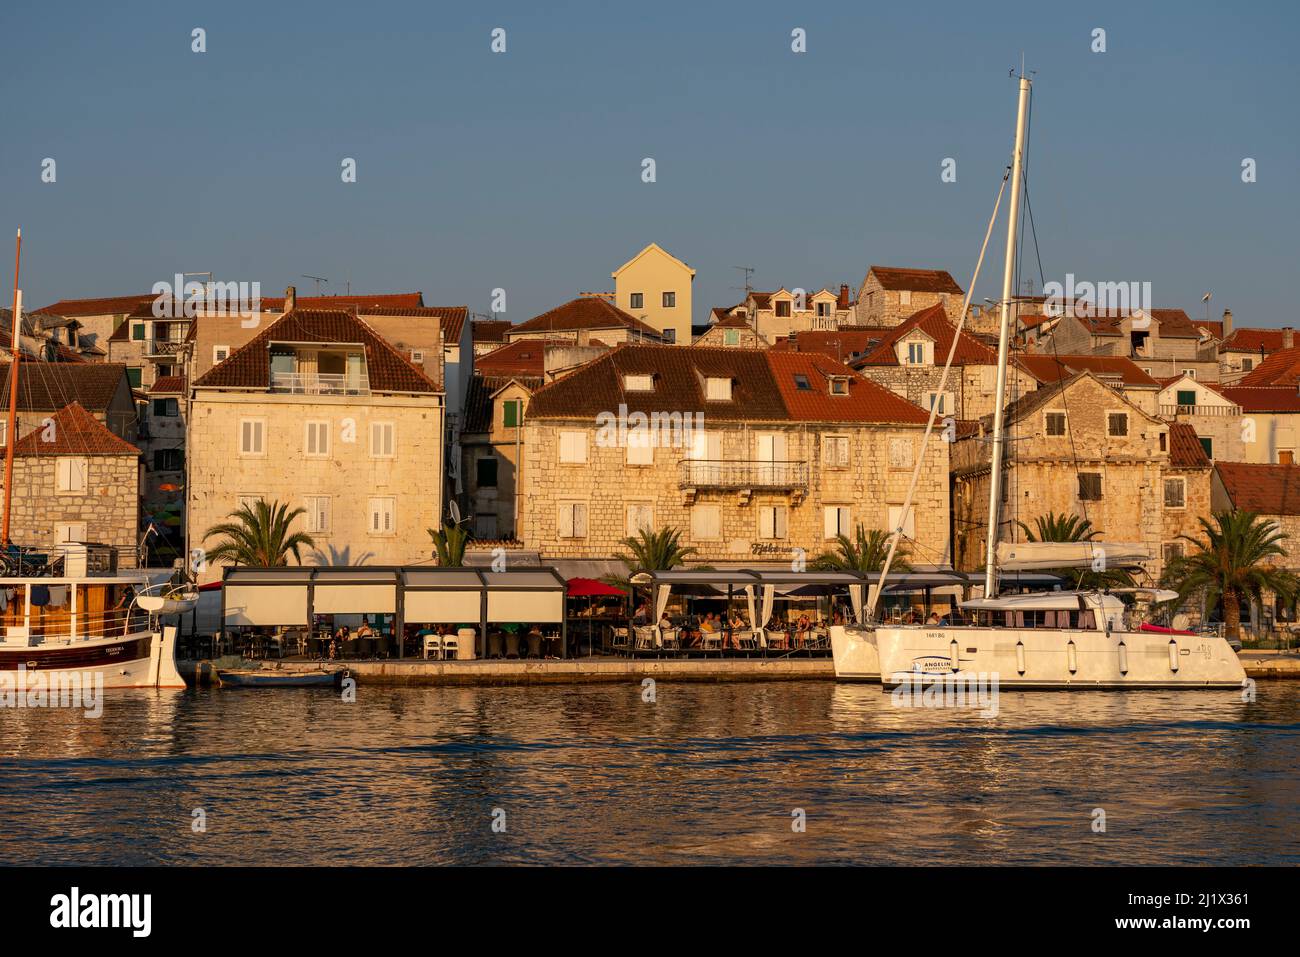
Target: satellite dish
x=455 y=511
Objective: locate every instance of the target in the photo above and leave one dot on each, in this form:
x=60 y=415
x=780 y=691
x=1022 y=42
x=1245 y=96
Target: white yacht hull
x=856 y=658
x=1041 y=658
x=139 y=660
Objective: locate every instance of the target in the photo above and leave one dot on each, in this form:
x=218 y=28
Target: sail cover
x=1026 y=556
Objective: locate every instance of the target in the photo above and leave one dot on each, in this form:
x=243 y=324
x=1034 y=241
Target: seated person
x=642 y=616
x=365 y=631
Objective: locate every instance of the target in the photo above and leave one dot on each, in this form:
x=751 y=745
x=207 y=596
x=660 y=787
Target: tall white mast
x=1004 y=341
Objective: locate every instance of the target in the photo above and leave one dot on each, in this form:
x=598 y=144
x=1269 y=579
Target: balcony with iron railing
x=163 y=348
x=320 y=383
x=731 y=474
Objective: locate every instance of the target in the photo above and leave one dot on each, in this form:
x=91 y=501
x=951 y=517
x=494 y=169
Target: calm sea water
x=706 y=774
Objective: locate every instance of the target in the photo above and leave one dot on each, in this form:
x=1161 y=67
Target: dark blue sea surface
x=705 y=774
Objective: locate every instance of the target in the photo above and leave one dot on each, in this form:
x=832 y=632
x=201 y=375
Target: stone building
x=1162 y=342
x=846 y=344
x=1117 y=372
x=655 y=287
x=492 y=447
x=1206 y=409
x=584 y=319
x=1242 y=351
x=756 y=456
x=787 y=312
x=909 y=361
x=1273 y=493
x=1186 y=492
x=97 y=319
x=731 y=331
x=46 y=387
x=321 y=411
x=163 y=419
x=889 y=295
x=75 y=481
x=1079 y=447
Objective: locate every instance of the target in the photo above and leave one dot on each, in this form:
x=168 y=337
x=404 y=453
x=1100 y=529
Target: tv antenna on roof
x=748 y=271
x=318 y=279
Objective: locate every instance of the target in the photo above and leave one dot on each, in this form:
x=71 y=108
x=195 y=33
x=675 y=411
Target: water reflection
x=706 y=774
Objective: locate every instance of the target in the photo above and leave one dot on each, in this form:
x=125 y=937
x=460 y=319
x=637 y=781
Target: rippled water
x=706 y=774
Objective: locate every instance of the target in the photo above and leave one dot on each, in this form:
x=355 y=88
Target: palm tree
x=1230 y=563
x=650 y=552
x=449 y=542
x=259 y=535
x=1054 y=527
x=865 y=552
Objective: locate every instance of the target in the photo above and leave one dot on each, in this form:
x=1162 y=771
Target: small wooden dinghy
x=266 y=678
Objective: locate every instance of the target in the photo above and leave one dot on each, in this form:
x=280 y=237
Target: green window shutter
x=137 y=331
x=1187 y=397
x=133 y=376
x=511 y=412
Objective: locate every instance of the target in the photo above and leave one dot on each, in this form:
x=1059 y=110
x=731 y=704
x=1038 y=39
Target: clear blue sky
x=522 y=170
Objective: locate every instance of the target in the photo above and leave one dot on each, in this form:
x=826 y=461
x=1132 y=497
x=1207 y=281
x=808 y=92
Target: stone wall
x=971 y=387
x=878 y=306
x=109 y=506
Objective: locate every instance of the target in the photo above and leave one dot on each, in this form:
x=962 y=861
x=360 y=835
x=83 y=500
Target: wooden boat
x=267 y=678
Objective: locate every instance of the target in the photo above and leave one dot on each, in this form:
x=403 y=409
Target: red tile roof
x=1269 y=398
x=1247 y=339
x=249 y=367
x=1185 y=449
x=525 y=357
x=933 y=321
x=585 y=312
x=168 y=385
x=110 y=305
x=916 y=280
x=1053 y=368
x=1280 y=368
x=726 y=321
x=75 y=432
x=844 y=344
x=363 y=302
x=46 y=386
x=1264 y=489
x=764 y=387
x=490 y=330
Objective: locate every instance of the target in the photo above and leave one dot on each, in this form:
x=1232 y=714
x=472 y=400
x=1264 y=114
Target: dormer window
x=717 y=389
x=801 y=382
x=839 y=385
x=916 y=353
x=638 y=383
x=783 y=308
x=905 y=297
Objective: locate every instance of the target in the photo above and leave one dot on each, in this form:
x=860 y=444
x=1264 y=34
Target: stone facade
x=108 y=508
x=664 y=493
x=732 y=335
x=968 y=391
x=878 y=306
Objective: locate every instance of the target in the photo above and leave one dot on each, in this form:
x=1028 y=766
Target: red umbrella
x=591 y=588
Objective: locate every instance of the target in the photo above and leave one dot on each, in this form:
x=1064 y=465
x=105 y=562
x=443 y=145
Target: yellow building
x=655 y=287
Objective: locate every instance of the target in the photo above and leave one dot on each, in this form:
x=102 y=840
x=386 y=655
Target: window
x=318 y=514
x=1164 y=441
x=1117 y=423
x=706 y=522
x=670 y=335
x=1055 y=423
x=900 y=453
x=638 y=383
x=836 y=521
x=670 y=300
x=220 y=354
x=1175 y=493
x=69 y=532
x=317 y=442
x=573 y=448
x=839 y=386
x=1172 y=551
x=383 y=443
x=70 y=474
x=1190 y=373
x=137 y=331
x=943 y=400
x=1247 y=365
x=252 y=436
x=717 y=389
x=783 y=308
x=1187 y=397
x=916 y=353
x=163 y=369
x=801 y=383
x=166 y=408
x=510 y=413
x=381 y=516
x=1090 y=486
x=1207 y=444
x=134 y=376
x=636 y=300
x=485 y=474
x=823 y=309
x=905 y=297
x=485 y=526
x=896 y=515
x=731 y=337
x=571 y=522
x=248 y=501
x=772 y=521
x=168 y=460
x=835 y=451
x=640 y=516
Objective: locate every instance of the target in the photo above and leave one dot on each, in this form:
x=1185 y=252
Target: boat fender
x=1123 y=657
x=1072 y=657
x=954 y=655
x=1020 y=657
x=1173 y=655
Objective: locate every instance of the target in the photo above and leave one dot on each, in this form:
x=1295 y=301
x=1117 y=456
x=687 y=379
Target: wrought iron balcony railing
x=320 y=383
x=731 y=474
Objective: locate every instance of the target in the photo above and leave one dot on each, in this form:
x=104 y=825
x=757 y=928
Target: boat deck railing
x=58 y=629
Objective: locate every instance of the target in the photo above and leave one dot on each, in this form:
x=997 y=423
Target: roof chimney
x=290 y=298
x=1227 y=323
x=843 y=302
x=1288 y=337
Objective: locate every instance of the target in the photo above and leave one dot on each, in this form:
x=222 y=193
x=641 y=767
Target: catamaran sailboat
x=1075 y=639
x=67 y=610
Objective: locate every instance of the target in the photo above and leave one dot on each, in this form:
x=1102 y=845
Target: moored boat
x=267 y=678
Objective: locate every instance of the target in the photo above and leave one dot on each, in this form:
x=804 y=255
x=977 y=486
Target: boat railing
x=87 y=626
x=61 y=559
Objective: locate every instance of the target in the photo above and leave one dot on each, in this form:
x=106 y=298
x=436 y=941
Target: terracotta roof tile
x=585 y=312
x=109 y=305
x=168 y=385
x=1276 y=398
x=1048 y=368
x=490 y=330
x=915 y=280
x=1264 y=489
x=845 y=343
x=1280 y=368
x=478 y=398
x=522 y=357
x=1185 y=449
x=46 y=386
x=933 y=321
x=249 y=367
x=1247 y=339
x=76 y=432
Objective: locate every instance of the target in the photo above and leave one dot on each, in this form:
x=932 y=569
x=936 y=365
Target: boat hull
x=1059 y=660
x=855 y=654
x=271 y=679
x=141 y=660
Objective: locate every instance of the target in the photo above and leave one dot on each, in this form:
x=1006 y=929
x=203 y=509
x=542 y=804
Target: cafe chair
x=432 y=647
x=450 y=647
